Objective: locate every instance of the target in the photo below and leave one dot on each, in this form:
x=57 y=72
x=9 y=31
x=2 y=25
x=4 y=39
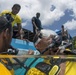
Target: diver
x=49 y=45
x=5 y=40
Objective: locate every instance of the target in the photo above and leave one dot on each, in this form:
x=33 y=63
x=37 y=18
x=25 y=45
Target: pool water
x=21 y=71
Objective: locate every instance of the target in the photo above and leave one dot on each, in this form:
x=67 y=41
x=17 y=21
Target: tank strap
x=8 y=65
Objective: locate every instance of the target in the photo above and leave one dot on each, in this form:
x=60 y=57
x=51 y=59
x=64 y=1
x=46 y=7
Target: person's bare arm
x=20 y=31
x=31 y=52
x=34 y=24
x=62 y=71
x=63 y=67
x=36 y=30
x=19 y=27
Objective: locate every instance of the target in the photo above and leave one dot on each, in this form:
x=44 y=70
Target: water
x=21 y=71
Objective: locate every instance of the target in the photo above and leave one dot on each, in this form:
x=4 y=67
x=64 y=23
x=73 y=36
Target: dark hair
x=62 y=26
x=4 y=23
x=16 y=5
x=37 y=13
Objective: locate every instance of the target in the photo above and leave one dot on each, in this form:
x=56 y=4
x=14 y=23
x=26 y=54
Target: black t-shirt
x=37 y=22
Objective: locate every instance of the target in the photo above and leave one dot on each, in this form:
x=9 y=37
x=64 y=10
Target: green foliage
x=74 y=42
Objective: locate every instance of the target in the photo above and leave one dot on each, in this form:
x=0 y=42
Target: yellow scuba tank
x=43 y=68
x=34 y=71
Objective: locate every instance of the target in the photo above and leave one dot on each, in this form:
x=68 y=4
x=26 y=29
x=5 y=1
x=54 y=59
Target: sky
x=54 y=13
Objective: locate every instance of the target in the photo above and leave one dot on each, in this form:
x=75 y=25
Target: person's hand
x=21 y=31
x=21 y=34
x=54 y=51
x=30 y=52
x=37 y=28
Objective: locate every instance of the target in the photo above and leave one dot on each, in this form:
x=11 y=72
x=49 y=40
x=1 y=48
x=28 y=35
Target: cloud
x=71 y=25
x=30 y=7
